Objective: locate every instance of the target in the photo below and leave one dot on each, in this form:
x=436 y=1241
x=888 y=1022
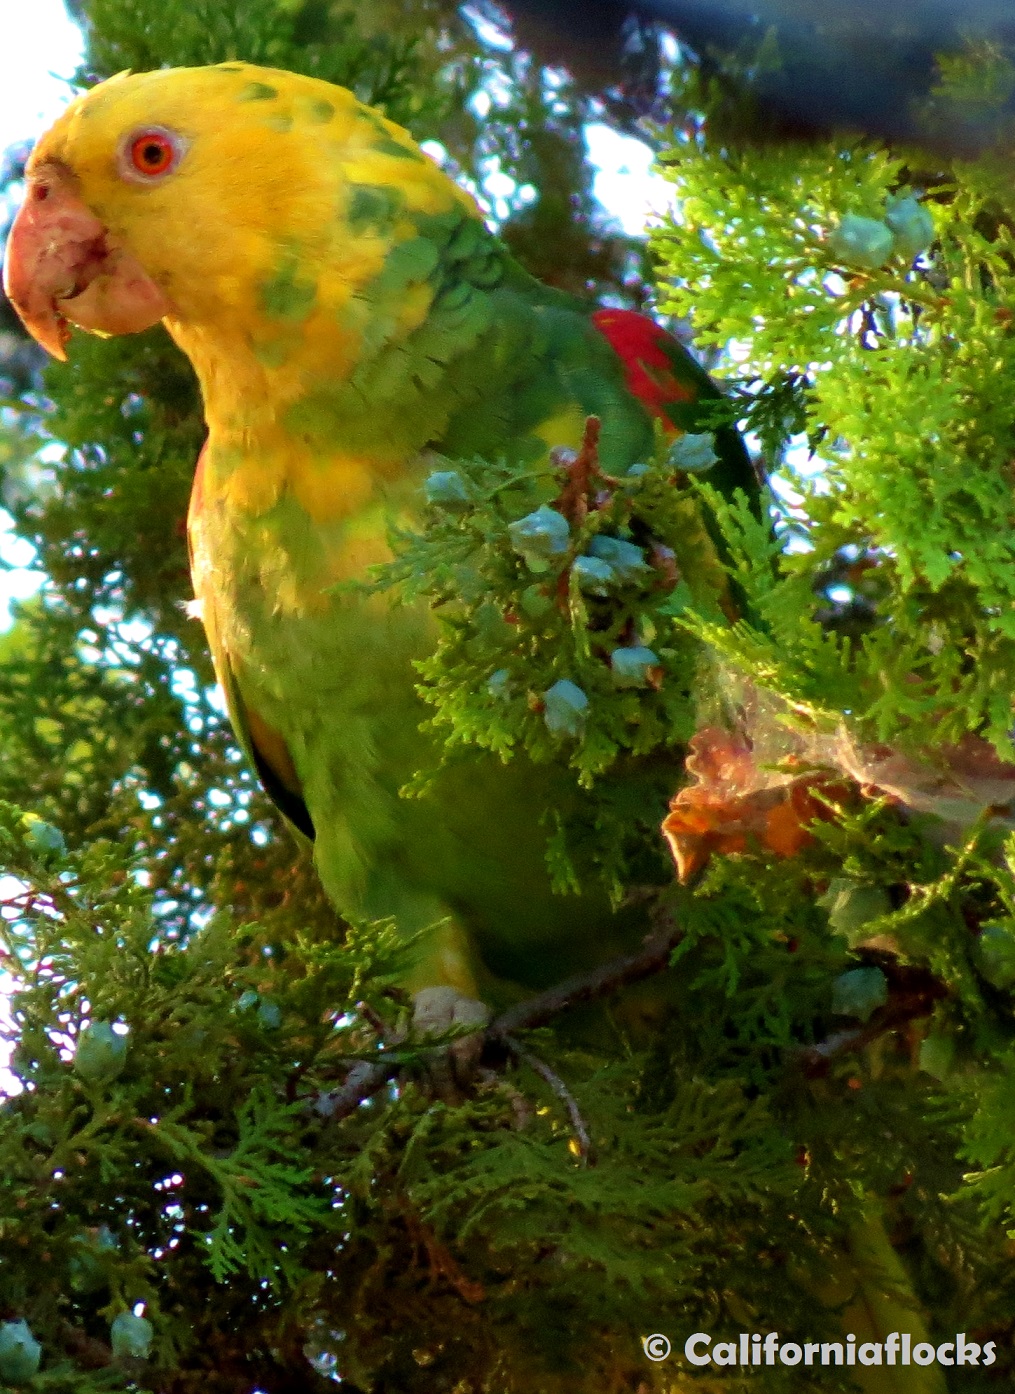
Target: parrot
x=349 y=316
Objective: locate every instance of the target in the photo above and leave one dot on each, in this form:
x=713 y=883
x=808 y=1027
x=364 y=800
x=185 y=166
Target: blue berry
x=593 y=575
x=911 y=223
x=862 y=242
x=627 y=560
x=694 y=454
x=446 y=489
x=565 y=708
x=540 y=536
x=131 y=1336
x=20 y=1352
x=632 y=667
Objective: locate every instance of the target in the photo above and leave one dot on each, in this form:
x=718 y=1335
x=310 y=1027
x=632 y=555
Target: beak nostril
x=40 y=192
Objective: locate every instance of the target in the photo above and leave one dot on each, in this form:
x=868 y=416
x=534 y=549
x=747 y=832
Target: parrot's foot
x=451 y=1070
x=441 y=1008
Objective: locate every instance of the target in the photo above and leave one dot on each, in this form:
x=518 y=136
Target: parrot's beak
x=61 y=265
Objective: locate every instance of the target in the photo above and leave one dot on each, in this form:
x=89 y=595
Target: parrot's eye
x=150 y=154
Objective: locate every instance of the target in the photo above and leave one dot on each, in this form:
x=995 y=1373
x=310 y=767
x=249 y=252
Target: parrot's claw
x=452 y=1069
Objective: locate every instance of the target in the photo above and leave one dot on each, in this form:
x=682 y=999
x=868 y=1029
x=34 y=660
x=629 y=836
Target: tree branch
x=584 y=987
x=915 y=997
x=367 y=1078
x=542 y=1069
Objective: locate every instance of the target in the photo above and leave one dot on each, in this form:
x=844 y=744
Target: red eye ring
x=152 y=153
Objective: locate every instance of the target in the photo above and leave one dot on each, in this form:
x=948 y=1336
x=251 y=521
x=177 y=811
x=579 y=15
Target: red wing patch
x=645 y=348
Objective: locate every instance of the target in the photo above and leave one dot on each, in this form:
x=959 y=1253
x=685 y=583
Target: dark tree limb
x=914 y=995
x=367 y=1078
x=585 y=987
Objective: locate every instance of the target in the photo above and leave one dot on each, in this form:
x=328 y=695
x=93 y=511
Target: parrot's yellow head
x=245 y=206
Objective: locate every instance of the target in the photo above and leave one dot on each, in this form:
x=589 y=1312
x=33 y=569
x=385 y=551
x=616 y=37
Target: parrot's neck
x=323 y=359
x=299 y=427
x=327 y=383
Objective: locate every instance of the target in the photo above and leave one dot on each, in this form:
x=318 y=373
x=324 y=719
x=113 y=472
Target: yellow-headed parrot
x=347 y=313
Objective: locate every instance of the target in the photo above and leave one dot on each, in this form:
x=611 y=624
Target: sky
x=42 y=48
x=40 y=51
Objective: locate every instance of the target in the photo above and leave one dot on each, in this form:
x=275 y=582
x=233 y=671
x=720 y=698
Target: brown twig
x=440 y=1259
x=584 y=987
x=542 y=1069
x=363 y=1081
x=573 y=499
